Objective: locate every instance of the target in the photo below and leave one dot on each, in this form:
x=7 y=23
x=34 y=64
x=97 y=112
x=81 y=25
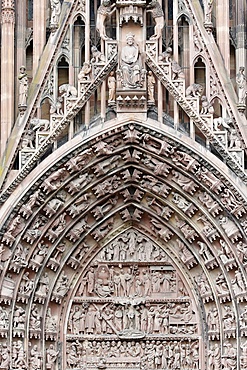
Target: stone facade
x=123 y=216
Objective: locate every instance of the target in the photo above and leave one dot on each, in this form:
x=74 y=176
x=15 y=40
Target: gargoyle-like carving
x=157 y=13
x=194 y=90
x=104 y=11
x=68 y=91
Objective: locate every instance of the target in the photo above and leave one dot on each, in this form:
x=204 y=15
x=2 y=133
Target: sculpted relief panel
x=80 y=265
x=132 y=310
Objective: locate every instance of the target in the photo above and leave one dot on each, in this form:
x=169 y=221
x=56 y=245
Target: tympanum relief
x=132 y=310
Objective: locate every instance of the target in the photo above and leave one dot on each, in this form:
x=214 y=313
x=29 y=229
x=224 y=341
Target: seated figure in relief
x=131 y=72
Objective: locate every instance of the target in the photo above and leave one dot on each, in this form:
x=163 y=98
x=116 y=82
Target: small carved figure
x=166 y=56
x=23 y=86
x=84 y=74
x=151 y=85
x=55 y=12
x=105 y=10
x=194 y=90
x=4 y=357
x=51 y=357
x=112 y=87
x=97 y=55
x=208 y=8
x=35 y=358
x=157 y=13
x=214 y=357
x=207 y=107
x=68 y=91
x=177 y=71
x=234 y=141
x=57 y=107
x=242 y=85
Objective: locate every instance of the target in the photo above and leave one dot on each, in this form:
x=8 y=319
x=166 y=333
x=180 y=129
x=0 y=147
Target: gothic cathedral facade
x=123 y=185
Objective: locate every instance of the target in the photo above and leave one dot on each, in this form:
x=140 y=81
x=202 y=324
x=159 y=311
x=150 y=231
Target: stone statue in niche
x=55 y=12
x=213 y=320
x=242 y=85
x=35 y=358
x=229 y=321
x=27 y=208
x=4 y=356
x=105 y=10
x=51 y=322
x=4 y=319
x=84 y=74
x=208 y=8
x=26 y=285
x=214 y=357
x=131 y=73
x=18 y=356
x=229 y=358
x=112 y=88
x=38 y=256
x=51 y=357
x=19 y=318
x=35 y=319
x=157 y=13
x=23 y=87
x=62 y=285
x=150 y=89
x=43 y=285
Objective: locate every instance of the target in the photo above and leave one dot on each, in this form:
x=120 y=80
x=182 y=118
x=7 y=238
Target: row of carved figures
x=169 y=318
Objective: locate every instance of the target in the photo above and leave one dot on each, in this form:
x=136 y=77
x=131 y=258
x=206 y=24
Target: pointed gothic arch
x=130 y=177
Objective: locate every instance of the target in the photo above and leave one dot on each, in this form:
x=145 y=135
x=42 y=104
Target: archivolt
x=138 y=176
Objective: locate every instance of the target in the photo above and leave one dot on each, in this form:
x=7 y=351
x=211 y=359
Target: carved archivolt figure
x=242 y=85
x=23 y=86
x=104 y=11
x=155 y=8
x=51 y=357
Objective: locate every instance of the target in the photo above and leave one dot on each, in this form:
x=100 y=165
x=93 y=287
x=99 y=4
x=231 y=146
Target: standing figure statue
x=208 y=8
x=104 y=11
x=151 y=84
x=158 y=15
x=131 y=72
x=112 y=87
x=55 y=12
x=23 y=87
x=242 y=85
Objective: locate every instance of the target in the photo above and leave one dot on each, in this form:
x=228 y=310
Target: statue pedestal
x=131 y=101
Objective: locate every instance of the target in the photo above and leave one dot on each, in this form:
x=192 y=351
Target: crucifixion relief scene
x=123 y=185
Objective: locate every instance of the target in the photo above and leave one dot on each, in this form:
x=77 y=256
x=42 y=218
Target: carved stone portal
x=132 y=310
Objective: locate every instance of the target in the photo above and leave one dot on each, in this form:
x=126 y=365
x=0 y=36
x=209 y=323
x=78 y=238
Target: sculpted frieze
x=78 y=183
x=43 y=288
x=61 y=288
x=210 y=180
x=107 y=187
x=157 y=146
x=76 y=231
x=204 y=288
x=235 y=206
x=161 y=230
x=185 y=255
x=103 y=229
x=213 y=324
x=19 y=360
x=35 y=358
x=77 y=256
x=80 y=205
x=208 y=229
x=188 y=232
x=19 y=258
x=153 y=184
x=226 y=255
x=35 y=322
x=222 y=288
